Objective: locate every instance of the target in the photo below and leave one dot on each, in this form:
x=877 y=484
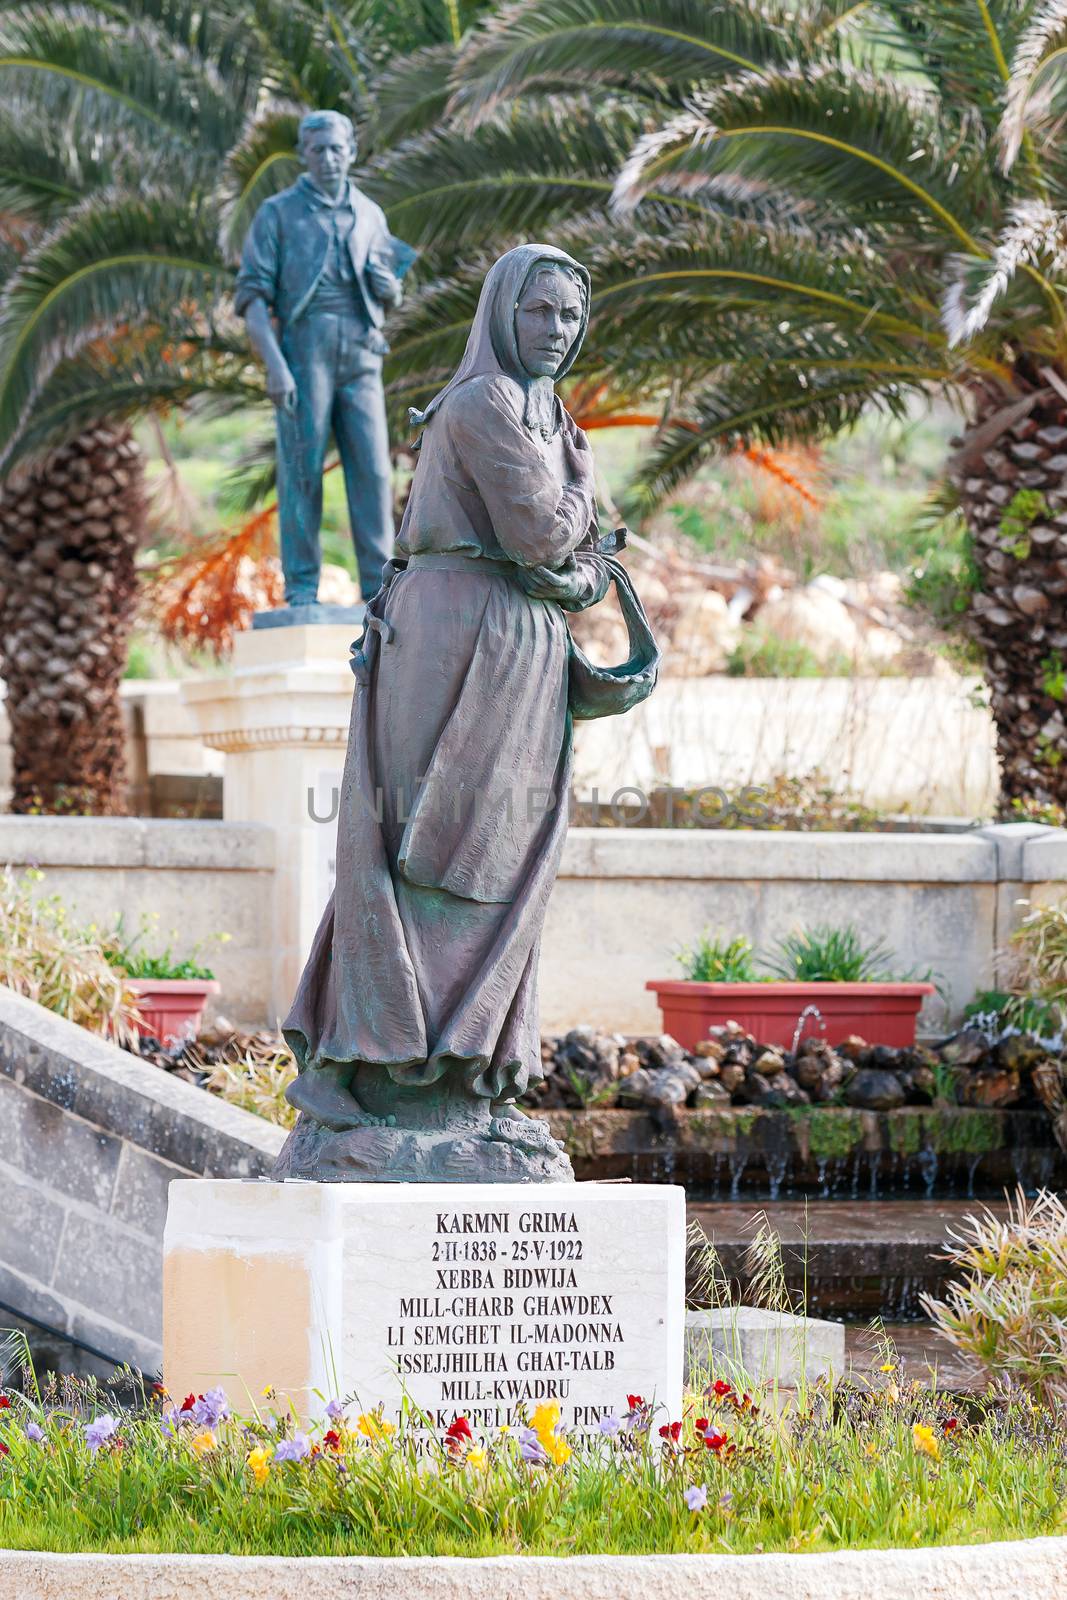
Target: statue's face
x=328 y=153
x=548 y=317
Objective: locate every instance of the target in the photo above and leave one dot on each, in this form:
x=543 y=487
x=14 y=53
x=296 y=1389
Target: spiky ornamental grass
x=1009 y=1307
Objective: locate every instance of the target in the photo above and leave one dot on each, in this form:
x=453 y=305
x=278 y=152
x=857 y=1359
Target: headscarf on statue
x=493 y=347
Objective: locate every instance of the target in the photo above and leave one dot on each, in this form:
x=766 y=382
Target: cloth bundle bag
x=609 y=691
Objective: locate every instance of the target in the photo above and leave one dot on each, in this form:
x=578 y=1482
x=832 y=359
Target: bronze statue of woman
x=415 y=1022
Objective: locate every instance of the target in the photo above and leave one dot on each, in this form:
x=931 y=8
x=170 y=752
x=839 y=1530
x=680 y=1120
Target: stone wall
x=194 y=879
x=625 y=901
x=91 y=1140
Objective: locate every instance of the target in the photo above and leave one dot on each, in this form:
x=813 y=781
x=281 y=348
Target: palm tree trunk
x=69 y=530
x=1014 y=495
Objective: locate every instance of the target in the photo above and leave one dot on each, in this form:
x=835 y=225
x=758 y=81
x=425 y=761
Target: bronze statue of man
x=318 y=270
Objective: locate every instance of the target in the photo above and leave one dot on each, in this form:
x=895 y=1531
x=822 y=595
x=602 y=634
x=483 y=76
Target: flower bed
x=864 y=1464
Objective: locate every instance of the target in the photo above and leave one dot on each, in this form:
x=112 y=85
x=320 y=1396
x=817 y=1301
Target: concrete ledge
x=136 y=842
x=1029 y=1569
x=824 y=857
x=116 y=1092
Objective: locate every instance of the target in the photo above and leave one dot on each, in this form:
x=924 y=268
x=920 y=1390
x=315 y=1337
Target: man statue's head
x=327 y=146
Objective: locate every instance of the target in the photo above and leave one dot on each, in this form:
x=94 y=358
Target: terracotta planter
x=881 y=1013
x=171 y=1008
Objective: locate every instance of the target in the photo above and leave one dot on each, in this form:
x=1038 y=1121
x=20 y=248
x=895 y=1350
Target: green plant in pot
x=846 y=986
x=172 y=990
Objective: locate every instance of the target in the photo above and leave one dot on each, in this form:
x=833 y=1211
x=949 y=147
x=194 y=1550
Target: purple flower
x=294 y=1449
x=696 y=1497
x=210 y=1409
x=530 y=1447
x=34 y=1433
x=168 y=1424
x=335 y=1410
x=99 y=1431
x=610 y=1424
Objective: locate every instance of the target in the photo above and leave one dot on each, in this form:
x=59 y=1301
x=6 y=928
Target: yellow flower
x=477 y=1458
x=870 y=1449
x=269 y=1392
x=259 y=1461
x=557 y=1450
x=203 y=1442
x=545 y=1418
x=888 y=1366
x=892 y=1394
x=373 y=1426
x=925 y=1440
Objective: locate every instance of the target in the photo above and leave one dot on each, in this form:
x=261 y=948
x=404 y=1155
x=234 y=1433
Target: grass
x=859 y=1465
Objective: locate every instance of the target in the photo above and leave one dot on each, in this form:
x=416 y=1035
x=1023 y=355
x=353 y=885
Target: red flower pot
x=171 y=1008
x=881 y=1013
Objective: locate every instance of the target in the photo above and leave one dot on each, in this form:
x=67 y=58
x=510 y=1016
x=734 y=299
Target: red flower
x=702 y=1424
x=715 y=1441
x=4 y=1451
x=332 y=1440
x=189 y=1402
x=671 y=1430
x=5 y=1403
x=635 y=1402
x=721 y=1388
x=951 y=1424
x=460 y=1430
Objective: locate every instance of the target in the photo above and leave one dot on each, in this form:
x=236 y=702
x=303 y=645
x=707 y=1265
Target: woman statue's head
x=550 y=314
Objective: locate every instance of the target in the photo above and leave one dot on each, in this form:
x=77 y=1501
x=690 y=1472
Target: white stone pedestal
x=281 y=717
x=471 y=1299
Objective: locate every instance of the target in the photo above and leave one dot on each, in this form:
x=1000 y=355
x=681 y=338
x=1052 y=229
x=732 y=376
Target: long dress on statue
x=453 y=807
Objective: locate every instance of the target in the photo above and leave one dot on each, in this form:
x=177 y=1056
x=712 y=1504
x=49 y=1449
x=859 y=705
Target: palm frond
x=1034 y=236
x=125 y=382
x=261 y=163
x=43 y=172
x=649 y=48
x=785 y=407
x=76 y=57
x=116 y=261
x=521 y=174
x=875 y=148
x=410 y=96
x=317 y=55
x=1036 y=92
x=963 y=47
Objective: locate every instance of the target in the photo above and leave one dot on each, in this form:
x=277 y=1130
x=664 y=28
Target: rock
x=920 y=1084
x=770 y=1093
x=874 y=1090
x=705 y=1066
x=854 y=1048
x=993 y=1090
x=709 y=1095
x=731 y=1076
x=966 y=1048
x=711 y=1049
x=1017 y=1052
x=815 y=619
x=634 y=1088
x=769 y=1062
x=629 y=1061
x=808 y=1072
x=702 y=636
x=669 y=1087
x=661 y=1052
x=885 y=1058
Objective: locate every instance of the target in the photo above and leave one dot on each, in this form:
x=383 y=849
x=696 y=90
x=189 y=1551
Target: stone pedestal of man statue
x=318 y=270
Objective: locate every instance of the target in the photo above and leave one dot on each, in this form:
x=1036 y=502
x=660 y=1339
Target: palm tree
x=906 y=236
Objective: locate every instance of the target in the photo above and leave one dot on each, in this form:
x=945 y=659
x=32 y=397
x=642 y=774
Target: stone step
x=854 y=1259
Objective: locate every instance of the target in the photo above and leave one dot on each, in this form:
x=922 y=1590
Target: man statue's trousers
x=339 y=388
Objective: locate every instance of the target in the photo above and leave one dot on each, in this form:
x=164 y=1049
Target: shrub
x=834 y=955
x=1010 y=1309
x=44 y=957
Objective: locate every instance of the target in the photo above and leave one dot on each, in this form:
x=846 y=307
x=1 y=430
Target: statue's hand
x=385 y=284
x=281 y=387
